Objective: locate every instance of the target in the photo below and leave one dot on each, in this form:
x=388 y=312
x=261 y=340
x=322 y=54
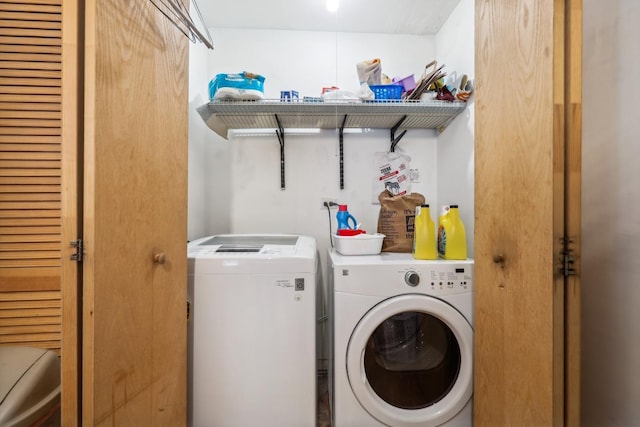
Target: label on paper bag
x=396 y=220
x=391 y=173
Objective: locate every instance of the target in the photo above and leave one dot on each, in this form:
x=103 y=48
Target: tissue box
x=288 y=95
x=361 y=244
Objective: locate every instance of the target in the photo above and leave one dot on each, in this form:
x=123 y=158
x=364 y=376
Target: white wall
x=610 y=215
x=209 y=164
x=456 y=49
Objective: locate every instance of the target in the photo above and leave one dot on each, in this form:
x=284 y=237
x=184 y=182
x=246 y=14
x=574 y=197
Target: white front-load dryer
x=252 y=331
x=402 y=340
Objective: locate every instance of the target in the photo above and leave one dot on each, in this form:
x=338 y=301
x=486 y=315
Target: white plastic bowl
x=361 y=244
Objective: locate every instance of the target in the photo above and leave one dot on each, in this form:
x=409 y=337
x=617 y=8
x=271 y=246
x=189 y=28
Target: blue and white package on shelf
x=242 y=85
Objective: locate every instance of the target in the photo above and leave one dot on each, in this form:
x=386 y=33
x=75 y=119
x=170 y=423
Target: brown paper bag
x=396 y=220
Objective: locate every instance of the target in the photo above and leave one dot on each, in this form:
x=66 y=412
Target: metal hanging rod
x=176 y=12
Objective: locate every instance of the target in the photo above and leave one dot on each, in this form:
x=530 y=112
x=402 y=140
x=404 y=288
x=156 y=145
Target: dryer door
x=410 y=360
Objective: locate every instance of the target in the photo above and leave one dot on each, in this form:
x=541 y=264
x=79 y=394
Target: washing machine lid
x=250 y=253
x=364 y=372
x=250 y=243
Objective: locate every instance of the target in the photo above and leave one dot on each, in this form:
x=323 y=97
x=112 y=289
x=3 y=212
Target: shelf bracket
x=341 y=133
x=280 y=135
x=395 y=139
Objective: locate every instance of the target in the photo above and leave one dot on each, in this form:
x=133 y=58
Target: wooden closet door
x=135 y=222
x=527 y=143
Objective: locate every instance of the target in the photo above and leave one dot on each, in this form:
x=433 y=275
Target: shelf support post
x=280 y=135
x=393 y=130
x=341 y=140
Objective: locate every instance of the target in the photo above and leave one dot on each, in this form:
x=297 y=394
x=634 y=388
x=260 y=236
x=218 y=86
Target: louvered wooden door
x=30 y=172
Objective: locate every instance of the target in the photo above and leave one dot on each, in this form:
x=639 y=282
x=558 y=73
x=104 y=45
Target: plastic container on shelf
x=408 y=83
x=387 y=92
x=360 y=244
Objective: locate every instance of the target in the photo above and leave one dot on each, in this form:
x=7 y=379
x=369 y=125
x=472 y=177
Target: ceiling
x=419 y=17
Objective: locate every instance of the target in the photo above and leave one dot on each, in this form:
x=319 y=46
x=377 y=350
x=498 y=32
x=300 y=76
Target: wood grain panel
x=32 y=32
x=35 y=100
x=42 y=83
x=55 y=49
x=45 y=74
x=29 y=60
x=27 y=24
x=28 y=41
x=49 y=6
x=31 y=314
x=16 y=197
x=31 y=90
x=17 y=18
x=24 y=63
x=29 y=106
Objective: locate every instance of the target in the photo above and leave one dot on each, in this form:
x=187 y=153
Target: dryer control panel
x=392 y=274
x=454 y=279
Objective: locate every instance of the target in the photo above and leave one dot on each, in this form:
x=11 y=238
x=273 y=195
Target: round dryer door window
x=410 y=360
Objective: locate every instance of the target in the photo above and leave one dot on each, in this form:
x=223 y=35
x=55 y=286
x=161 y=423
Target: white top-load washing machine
x=252 y=339
x=402 y=340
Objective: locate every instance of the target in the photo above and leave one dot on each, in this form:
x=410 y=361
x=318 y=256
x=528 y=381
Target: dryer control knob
x=412 y=278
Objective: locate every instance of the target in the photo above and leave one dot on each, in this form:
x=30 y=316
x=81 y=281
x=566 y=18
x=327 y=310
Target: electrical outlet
x=326 y=201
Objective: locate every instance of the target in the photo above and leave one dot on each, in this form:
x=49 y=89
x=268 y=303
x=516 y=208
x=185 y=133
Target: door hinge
x=567 y=257
x=78 y=244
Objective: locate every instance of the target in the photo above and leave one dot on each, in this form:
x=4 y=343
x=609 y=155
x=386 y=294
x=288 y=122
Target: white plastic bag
x=391 y=172
x=370 y=71
x=365 y=93
x=340 y=95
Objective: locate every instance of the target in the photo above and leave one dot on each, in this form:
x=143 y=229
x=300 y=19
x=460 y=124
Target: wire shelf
x=222 y=116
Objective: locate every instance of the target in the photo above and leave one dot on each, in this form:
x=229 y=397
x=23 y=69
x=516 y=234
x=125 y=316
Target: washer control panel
x=441 y=278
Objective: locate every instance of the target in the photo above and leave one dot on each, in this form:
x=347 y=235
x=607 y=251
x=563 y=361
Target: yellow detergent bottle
x=424 y=235
x=452 y=240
